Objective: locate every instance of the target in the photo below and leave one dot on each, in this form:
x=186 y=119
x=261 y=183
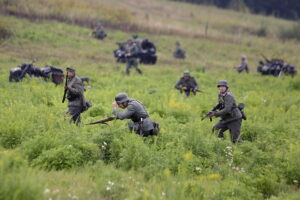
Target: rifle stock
x=65 y=92
x=103 y=121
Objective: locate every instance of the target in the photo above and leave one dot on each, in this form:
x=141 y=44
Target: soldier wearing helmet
x=134 y=110
x=131 y=53
x=230 y=114
x=187 y=84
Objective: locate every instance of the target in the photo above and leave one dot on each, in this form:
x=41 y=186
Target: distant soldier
x=138 y=41
x=231 y=116
x=74 y=95
x=131 y=52
x=243 y=66
x=99 y=32
x=187 y=84
x=135 y=110
x=179 y=52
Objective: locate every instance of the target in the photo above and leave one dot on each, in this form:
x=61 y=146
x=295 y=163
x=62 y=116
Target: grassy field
x=42 y=156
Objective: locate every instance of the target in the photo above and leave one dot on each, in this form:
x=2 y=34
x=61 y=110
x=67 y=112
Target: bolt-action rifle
x=218 y=106
x=103 y=121
x=65 y=92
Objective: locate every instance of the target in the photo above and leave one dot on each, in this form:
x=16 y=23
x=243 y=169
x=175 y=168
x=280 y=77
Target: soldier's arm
x=126 y=114
x=229 y=101
x=76 y=88
x=178 y=84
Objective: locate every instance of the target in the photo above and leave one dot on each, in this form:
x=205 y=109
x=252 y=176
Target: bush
x=5 y=31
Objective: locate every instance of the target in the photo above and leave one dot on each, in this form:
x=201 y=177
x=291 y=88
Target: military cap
x=243 y=57
x=130 y=39
x=186 y=73
x=222 y=83
x=70 y=69
x=121 y=98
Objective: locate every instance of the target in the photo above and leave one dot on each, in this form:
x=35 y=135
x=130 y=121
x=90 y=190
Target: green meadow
x=42 y=156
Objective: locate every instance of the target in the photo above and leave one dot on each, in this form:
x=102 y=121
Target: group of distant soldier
x=137 y=50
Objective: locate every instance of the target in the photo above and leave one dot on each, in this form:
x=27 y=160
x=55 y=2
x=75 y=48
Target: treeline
x=289 y=9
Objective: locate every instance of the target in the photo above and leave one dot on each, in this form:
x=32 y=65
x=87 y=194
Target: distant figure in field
x=99 y=32
x=187 y=84
x=179 y=52
x=243 y=66
x=131 y=52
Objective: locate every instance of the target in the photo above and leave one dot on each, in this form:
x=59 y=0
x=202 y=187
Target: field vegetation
x=42 y=156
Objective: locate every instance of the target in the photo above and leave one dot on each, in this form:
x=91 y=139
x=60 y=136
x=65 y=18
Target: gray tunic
x=75 y=92
x=135 y=111
x=229 y=110
x=191 y=83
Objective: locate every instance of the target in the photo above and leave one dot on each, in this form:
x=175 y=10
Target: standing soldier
x=244 y=65
x=75 y=95
x=231 y=116
x=187 y=84
x=141 y=123
x=131 y=52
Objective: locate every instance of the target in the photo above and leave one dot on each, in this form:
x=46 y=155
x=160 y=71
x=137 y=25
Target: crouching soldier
x=187 y=84
x=134 y=110
x=231 y=116
x=76 y=101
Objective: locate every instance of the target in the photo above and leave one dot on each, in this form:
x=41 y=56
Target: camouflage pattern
x=230 y=115
x=141 y=123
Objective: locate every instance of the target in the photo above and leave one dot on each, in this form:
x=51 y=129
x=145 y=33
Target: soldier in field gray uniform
x=230 y=114
x=187 y=84
x=131 y=51
x=134 y=110
x=74 y=95
x=243 y=66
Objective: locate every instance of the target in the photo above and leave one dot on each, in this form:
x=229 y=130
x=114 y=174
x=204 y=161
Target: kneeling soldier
x=141 y=123
x=187 y=84
x=231 y=116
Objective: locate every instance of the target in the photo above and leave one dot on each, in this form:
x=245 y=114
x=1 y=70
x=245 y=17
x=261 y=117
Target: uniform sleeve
x=126 y=114
x=76 y=88
x=229 y=101
x=178 y=84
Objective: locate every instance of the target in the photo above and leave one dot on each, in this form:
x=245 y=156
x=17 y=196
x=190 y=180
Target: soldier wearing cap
x=134 y=110
x=230 y=114
x=75 y=95
x=243 y=66
x=187 y=84
x=131 y=53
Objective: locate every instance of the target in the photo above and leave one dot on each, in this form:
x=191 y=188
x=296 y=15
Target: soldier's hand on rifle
x=66 y=87
x=114 y=105
x=184 y=88
x=211 y=113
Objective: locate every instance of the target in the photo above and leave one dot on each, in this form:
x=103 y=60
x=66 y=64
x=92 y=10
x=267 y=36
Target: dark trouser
x=242 y=68
x=233 y=126
x=138 y=130
x=132 y=62
x=75 y=112
x=188 y=92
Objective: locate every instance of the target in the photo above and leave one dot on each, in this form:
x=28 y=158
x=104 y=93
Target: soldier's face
x=186 y=77
x=123 y=105
x=222 y=89
x=70 y=74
